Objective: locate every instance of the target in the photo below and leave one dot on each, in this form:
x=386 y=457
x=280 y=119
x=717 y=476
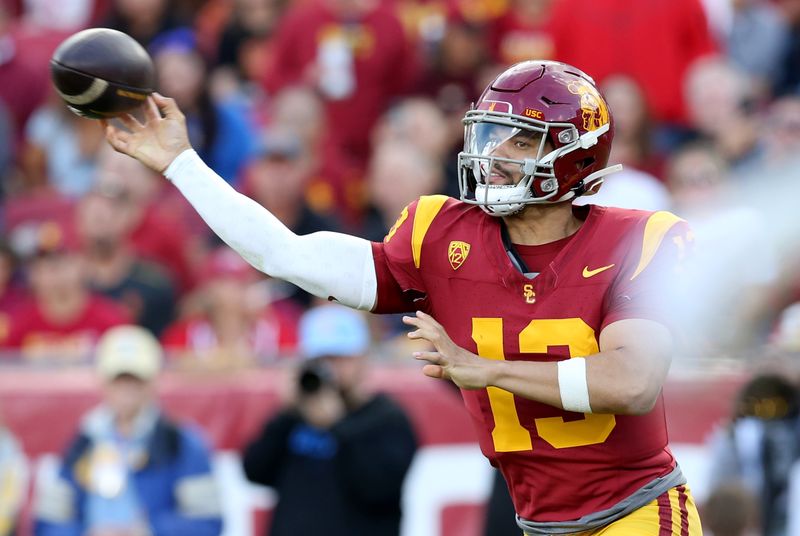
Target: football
x=101 y=73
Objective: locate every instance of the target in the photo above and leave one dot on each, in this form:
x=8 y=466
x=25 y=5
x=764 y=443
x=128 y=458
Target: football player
x=545 y=314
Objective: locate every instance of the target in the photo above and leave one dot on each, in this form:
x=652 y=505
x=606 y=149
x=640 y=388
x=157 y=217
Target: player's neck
x=542 y=224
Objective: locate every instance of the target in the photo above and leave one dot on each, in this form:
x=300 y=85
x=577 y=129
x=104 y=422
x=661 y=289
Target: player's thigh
x=674 y=513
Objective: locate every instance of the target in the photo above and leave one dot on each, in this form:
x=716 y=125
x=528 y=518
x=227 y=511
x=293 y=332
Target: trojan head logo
x=593 y=107
x=457 y=253
x=528 y=293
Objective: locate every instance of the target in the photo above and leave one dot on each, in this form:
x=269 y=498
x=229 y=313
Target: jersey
x=448 y=258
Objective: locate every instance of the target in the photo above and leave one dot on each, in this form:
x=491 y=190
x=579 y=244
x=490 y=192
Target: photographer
x=337 y=455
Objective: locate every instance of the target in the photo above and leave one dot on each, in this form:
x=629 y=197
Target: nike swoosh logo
x=587 y=273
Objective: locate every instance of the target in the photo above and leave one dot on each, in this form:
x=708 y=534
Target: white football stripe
x=96 y=89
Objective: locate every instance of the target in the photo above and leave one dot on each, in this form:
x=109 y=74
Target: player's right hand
x=157 y=141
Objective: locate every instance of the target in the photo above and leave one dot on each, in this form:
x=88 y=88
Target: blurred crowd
x=334 y=114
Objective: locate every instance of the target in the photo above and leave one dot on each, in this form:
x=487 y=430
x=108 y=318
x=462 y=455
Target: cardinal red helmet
x=558 y=110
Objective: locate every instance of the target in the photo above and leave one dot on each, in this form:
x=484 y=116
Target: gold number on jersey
x=509 y=435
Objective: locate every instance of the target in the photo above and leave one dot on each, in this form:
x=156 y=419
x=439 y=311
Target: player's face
x=505 y=143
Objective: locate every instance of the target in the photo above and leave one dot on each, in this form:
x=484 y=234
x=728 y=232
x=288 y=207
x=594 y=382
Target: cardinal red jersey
x=448 y=258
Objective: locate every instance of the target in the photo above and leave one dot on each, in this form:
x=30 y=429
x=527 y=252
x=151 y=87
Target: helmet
x=558 y=110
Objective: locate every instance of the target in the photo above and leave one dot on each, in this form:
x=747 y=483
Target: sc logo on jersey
x=528 y=293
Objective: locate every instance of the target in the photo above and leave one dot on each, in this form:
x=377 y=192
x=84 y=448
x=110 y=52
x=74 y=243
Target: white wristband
x=572 y=385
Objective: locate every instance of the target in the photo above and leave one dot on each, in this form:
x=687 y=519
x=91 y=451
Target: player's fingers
x=434 y=358
x=415 y=334
x=410 y=320
x=118 y=134
x=425 y=317
x=130 y=122
x=116 y=139
x=167 y=105
x=151 y=113
x=434 y=371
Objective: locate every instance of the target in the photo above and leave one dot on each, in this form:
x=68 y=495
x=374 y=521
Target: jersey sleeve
x=401 y=286
x=651 y=284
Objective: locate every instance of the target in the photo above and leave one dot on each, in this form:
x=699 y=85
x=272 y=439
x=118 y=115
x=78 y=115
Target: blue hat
x=333 y=330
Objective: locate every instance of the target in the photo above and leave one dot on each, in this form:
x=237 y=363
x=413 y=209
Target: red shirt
x=37 y=337
x=653 y=42
x=164 y=240
x=514 y=40
x=384 y=65
x=559 y=465
x=272 y=335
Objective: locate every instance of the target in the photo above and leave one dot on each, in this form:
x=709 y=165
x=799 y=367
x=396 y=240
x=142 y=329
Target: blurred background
x=334 y=114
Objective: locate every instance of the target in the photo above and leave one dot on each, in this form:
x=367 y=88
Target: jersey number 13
x=509 y=435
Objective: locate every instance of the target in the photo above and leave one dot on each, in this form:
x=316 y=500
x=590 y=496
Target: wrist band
x=572 y=385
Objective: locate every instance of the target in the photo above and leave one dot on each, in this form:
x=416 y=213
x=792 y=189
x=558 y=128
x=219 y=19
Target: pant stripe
x=664 y=515
x=682 y=497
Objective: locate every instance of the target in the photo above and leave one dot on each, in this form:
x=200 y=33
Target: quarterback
x=545 y=314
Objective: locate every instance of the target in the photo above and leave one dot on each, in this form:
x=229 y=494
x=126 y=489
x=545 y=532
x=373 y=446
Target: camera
x=314 y=376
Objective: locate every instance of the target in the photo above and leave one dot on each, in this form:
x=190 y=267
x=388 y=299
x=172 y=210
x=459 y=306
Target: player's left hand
x=449 y=361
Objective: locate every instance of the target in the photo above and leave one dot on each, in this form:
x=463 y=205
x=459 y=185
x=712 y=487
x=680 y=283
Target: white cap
x=333 y=330
x=128 y=350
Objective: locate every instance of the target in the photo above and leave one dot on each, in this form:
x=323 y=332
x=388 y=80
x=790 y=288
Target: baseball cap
x=38 y=239
x=333 y=330
x=225 y=263
x=128 y=350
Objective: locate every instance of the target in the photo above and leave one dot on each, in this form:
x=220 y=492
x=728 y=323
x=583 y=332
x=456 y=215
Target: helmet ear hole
x=586 y=162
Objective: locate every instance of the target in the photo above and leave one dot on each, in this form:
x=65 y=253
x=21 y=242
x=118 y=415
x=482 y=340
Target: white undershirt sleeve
x=325 y=264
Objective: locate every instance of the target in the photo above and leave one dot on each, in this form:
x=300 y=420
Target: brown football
x=101 y=73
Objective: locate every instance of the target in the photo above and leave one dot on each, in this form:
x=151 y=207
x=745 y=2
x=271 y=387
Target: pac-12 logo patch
x=457 y=253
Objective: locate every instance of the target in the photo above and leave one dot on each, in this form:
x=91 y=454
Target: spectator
x=634 y=136
x=61 y=150
x=336 y=450
x=165 y=229
x=523 y=32
x=245 y=46
x=13 y=481
x=30 y=81
x=219 y=130
x=789 y=79
x=64 y=320
x=131 y=470
x=730 y=510
x=721 y=101
x=759 y=445
x=105 y=220
x=235 y=324
x=780 y=133
x=278 y=179
x=355 y=53
x=399 y=172
x=336 y=186
x=455 y=63
x=652 y=42
x=756 y=41
x=143 y=20
x=703 y=194
x=419 y=122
